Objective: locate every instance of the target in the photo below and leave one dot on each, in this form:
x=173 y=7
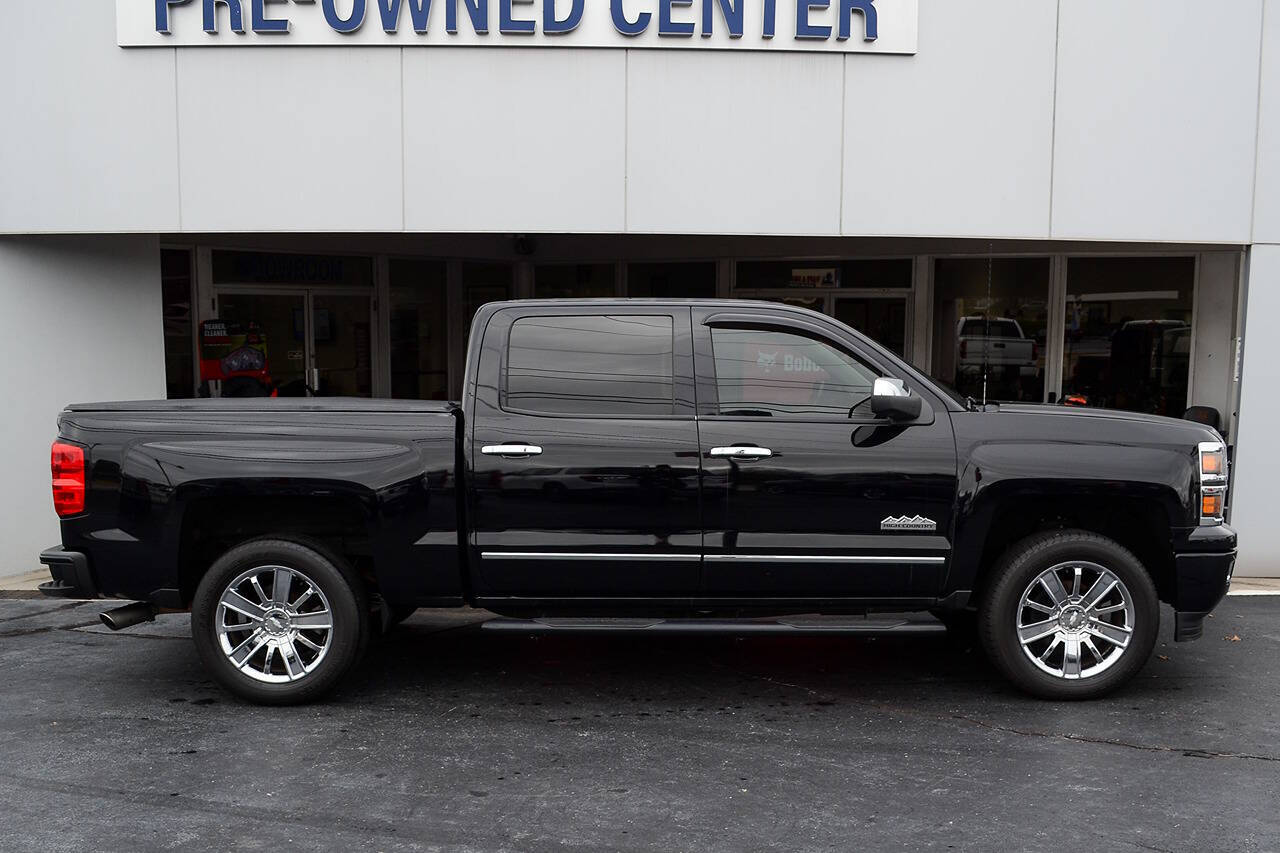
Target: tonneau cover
x=270 y=404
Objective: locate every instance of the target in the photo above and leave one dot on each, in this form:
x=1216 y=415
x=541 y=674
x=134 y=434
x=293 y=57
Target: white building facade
x=1097 y=183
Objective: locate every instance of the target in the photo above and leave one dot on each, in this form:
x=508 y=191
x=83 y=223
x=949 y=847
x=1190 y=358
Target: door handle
x=511 y=451
x=741 y=452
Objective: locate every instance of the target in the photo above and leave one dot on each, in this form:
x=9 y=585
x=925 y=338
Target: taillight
x=67 y=465
x=1213 y=481
x=964 y=349
x=1035 y=351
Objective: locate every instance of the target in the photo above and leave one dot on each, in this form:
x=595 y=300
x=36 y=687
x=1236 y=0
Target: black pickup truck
x=648 y=466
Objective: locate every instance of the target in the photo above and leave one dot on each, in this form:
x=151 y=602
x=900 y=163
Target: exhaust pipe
x=128 y=616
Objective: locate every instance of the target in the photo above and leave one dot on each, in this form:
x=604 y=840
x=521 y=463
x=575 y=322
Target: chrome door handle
x=511 y=451
x=741 y=452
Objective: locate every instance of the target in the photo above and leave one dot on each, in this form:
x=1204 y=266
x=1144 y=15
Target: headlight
x=1213 y=481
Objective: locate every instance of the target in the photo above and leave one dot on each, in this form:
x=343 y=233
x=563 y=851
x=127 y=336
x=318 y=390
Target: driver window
x=770 y=373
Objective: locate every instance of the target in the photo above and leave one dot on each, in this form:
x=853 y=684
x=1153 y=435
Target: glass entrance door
x=279 y=317
x=881 y=318
x=319 y=342
x=341 y=345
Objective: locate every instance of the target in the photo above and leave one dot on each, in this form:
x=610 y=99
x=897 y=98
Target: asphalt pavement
x=452 y=738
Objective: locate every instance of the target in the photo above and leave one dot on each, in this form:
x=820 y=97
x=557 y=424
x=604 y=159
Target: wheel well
x=1141 y=526
x=212 y=526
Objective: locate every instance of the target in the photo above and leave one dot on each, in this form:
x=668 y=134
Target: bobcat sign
x=842 y=26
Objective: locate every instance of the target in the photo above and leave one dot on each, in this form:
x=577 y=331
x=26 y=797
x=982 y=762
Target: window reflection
x=820 y=273
x=593 y=365
x=1128 y=333
x=573 y=281
x=179 y=323
x=766 y=373
x=883 y=319
x=990 y=322
x=482 y=284
x=419 y=337
x=691 y=280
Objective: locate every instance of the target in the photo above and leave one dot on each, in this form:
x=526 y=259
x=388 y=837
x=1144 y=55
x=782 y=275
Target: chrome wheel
x=1075 y=620
x=274 y=624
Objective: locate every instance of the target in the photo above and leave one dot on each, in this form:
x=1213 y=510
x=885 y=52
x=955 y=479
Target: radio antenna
x=986 y=335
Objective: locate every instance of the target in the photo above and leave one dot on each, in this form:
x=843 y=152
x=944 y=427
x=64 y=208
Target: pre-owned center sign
x=851 y=26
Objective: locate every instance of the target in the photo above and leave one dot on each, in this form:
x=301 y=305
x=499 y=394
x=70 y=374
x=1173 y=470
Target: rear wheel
x=1070 y=615
x=279 y=622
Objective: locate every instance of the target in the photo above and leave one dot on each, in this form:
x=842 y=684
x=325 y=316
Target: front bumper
x=1202 y=576
x=70 y=572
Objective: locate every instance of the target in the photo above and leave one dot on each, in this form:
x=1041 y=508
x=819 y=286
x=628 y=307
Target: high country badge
x=918 y=522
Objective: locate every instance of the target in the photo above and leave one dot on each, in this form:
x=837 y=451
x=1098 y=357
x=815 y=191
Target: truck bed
x=379 y=474
x=270 y=404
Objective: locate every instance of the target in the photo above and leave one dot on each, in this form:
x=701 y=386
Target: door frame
x=308 y=294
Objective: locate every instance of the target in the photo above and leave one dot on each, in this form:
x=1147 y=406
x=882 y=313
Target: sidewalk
x=27 y=583
x=1255 y=586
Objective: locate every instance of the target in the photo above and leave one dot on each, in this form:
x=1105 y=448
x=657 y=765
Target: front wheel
x=279 y=622
x=1069 y=615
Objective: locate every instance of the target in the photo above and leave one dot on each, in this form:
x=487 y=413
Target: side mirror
x=891 y=399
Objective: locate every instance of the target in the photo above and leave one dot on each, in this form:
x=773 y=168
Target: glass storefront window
x=291 y=268
x=695 y=280
x=1128 y=333
x=883 y=319
x=990 y=320
x=573 y=281
x=481 y=284
x=419 y=331
x=179 y=323
x=800 y=274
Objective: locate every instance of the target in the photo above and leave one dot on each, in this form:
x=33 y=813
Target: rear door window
x=591 y=365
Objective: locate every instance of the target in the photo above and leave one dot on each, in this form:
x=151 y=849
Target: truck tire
x=279 y=621
x=1069 y=615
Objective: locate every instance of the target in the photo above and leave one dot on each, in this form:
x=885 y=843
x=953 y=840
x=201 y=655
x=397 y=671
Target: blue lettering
x=554 y=27
x=508 y=24
x=211 y=15
x=419 y=11
x=622 y=25
x=263 y=24
x=869 y=23
x=162 y=14
x=805 y=30
x=347 y=25
x=732 y=11
x=668 y=27
x=477 y=10
x=770 y=17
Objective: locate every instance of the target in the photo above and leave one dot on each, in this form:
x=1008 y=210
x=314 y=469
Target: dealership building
x=1089 y=189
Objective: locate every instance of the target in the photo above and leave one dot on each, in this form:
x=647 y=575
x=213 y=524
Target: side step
x=795 y=626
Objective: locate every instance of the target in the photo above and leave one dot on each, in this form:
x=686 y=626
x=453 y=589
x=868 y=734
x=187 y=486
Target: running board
x=794 y=626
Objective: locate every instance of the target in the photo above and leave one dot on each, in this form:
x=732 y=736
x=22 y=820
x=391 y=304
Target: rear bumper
x=1201 y=578
x=70 y=573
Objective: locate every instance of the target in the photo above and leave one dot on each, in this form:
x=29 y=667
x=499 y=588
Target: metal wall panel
x=514 y=140
x=733 y=143
x=90 y=138
x=1266 y=209
x=81 y=321
x=280 y=139
x=1257 y=458
x=1156 y=109
x=956 y=141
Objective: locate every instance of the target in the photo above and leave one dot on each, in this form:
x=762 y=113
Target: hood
x=1083 y=415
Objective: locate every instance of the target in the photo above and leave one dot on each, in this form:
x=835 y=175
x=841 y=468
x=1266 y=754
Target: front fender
x=1001 y=479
